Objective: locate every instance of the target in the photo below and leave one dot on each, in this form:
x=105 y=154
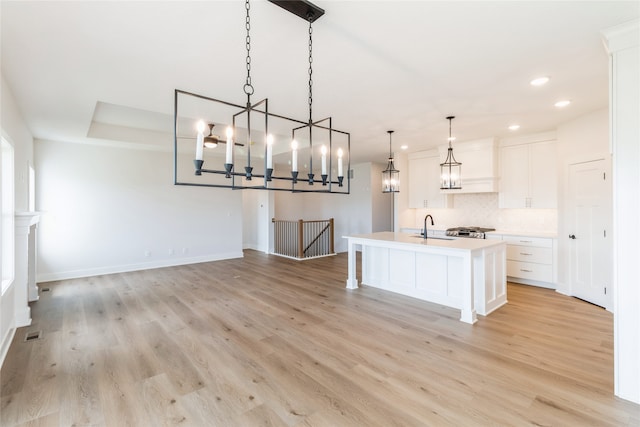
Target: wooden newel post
x=331 y=251
x=300 y=238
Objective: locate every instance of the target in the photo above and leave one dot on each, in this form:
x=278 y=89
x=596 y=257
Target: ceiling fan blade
x=220 y=141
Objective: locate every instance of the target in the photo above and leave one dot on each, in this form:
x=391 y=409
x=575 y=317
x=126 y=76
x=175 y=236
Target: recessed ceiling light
x=563 y=103
x=514 y=127
x=404 y=147
x=539 y=81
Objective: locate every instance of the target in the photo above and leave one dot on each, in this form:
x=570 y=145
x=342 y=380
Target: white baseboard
x=563 y=289
x=531 y=282
x=6 y=343
x=22 y=317
x=75 y=274
x=254 y=247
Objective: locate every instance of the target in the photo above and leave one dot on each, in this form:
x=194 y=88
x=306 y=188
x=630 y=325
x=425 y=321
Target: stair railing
x=303 y=239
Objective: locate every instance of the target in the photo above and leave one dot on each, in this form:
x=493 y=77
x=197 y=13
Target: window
x=7 y=230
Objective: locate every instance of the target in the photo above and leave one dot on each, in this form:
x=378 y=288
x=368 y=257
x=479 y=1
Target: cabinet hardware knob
x=572 y=236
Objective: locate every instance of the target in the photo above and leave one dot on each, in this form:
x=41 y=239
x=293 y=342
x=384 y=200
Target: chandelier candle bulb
x=294 y=156
x=229 y=156
x=323 y=150
x=270 y=152
x=340 y=162
x=200 y=141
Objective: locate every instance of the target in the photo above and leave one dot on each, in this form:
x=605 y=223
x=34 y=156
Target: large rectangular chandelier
x=223 y=144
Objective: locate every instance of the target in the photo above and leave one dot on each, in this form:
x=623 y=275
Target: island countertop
x=461 y=243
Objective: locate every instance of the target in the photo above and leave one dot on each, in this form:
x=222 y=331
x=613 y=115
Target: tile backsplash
x=481 y=209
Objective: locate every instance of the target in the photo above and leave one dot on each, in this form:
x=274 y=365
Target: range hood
x=479 y=160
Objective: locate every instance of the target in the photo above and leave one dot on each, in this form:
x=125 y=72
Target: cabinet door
x=514 y=176
x=417 y=177
x=543 y=180
x=424 y=183
x=435 y=199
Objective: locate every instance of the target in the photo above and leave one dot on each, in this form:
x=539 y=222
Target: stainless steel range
x=471 y=232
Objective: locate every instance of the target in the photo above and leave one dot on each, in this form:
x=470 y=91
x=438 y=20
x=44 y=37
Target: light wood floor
x=269 y=341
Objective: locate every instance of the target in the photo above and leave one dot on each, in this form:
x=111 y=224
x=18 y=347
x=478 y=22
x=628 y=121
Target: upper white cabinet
x=528 y=176
x=424 y=181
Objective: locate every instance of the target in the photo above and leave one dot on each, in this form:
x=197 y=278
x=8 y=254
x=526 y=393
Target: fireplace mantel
x=26 y=289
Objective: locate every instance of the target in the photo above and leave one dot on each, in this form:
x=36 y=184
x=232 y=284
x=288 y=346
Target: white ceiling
x=378 y=65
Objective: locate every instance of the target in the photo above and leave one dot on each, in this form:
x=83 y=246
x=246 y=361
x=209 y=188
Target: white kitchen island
x=467 y=274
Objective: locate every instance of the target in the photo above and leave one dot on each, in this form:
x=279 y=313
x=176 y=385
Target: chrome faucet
x=425 y=225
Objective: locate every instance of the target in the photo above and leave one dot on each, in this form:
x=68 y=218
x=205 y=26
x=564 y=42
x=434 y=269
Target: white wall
x=351 y=212
x=402 y=213
x=382 y=204
x=110 y=209
x=15 y=131
x=583 y=139
x=257 y=212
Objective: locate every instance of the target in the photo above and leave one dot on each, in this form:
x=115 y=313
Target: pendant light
x=450 y=169
x=391 y=175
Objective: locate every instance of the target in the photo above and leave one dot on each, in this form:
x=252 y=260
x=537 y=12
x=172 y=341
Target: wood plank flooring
x=267 y=341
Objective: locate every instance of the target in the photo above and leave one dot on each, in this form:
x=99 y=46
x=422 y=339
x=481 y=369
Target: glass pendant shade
x=450 y=170
x=391 y=175
x=390 y=178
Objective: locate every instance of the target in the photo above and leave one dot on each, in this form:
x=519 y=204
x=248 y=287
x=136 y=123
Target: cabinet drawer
x=530 y=254
x=531 y=271
x=528 y=241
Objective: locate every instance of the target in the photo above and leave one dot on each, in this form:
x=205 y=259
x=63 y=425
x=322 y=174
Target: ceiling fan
x=211 y=140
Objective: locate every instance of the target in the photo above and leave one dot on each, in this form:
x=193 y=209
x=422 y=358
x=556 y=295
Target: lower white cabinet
x=530 y=260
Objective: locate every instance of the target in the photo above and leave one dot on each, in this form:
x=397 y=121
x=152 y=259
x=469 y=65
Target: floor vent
x=32 y=336
x=45 y=289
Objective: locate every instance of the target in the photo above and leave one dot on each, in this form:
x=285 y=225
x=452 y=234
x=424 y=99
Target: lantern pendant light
x=450 y=177
x=390 y=176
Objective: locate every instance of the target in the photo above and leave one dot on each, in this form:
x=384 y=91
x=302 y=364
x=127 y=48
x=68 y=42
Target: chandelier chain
x=310 y=68
x=248 y=87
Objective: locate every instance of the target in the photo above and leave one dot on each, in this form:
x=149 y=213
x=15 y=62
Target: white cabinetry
x=528 y=175
x=424 y=181
x=530 y=260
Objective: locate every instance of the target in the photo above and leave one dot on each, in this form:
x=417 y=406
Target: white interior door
x=590 y=232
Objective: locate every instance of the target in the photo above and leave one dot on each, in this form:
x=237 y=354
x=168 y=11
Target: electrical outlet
x=147 y=253
x=171 y=252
